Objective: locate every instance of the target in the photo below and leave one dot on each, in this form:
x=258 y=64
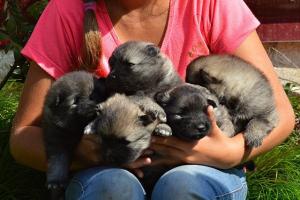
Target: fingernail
x=140 y=175
x=147 y=160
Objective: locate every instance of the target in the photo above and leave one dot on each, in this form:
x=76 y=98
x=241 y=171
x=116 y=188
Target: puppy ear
x=162 y=98
x=203 y=78
x=57 y=100
x=212 y=103
x=99 y=108
x=152 y=50
x=147 y=119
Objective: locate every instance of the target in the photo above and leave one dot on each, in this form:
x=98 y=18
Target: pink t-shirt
x=195 y=27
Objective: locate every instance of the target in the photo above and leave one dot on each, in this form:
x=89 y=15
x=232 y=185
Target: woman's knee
x=200 y=182
x=111 y=183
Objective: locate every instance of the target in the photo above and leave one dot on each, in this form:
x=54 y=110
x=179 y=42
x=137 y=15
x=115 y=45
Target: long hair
x=91 y=49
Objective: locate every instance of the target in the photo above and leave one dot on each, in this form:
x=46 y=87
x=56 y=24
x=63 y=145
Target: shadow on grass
x=16 y=181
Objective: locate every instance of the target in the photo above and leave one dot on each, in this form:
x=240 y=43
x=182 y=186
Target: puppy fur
x=186 y=106
x=69 y=106
x=140 y=67
x=242 y=88
x=124 y=127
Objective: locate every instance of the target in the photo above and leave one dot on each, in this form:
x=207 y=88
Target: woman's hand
x=136 y=166
x=215 y=149
x=88 y=154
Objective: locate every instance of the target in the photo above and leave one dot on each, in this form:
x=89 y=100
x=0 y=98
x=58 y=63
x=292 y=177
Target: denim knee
x=109 y=183
x=200 y=182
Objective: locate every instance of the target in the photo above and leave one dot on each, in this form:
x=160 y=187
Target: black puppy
x=69 y=106
x=186 y=106
x=242 y=88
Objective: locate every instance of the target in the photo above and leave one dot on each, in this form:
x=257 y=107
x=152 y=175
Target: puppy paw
x=56 y=191
x=55 y=186
x=158 y=114
x=163 y=130
x=162 y=117
x=253 y=140
x=89 y=129
x=257 y=129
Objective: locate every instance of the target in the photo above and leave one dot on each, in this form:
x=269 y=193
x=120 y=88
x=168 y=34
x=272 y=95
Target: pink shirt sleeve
x=230 y=22
x=50 y=44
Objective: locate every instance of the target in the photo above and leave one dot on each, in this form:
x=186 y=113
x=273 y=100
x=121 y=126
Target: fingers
x=136 y=165
x=174 y=143
x=138 y=172
x=211 y=115
x=140 y=162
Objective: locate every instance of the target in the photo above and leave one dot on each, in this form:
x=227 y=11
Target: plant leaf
x=6 y=61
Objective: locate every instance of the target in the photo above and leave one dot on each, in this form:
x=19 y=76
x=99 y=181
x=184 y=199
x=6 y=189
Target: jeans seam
x=233 y=191
x=81 y=186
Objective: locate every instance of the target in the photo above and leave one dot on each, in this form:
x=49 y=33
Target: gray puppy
x=69 y=106
x=140 y=67
x=124 y=127
x=242 y=88
x=186 y=109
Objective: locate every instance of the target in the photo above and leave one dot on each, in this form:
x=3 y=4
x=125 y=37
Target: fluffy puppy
x=186 y=105
x=242 y=88
x=140 y=67
x=124 y=127
x=69 y=106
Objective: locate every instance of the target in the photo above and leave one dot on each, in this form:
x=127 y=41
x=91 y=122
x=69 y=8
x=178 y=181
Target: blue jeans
x=181 y=183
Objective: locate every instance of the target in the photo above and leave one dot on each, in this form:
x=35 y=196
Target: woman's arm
x=26 y=139
x=253 y=51
x=216 y=149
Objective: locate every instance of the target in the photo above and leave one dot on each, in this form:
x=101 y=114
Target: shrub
x=17 y=20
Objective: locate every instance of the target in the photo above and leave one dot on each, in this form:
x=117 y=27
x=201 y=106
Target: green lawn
x=277 y=175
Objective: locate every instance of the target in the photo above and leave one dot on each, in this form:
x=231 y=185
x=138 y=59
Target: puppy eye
x=76 y=100
x=152 y=50
x=123 y=141
x=128 y=63
x=176 y=117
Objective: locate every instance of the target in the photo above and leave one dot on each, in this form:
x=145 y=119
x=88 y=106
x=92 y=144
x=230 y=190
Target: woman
x=184 y=30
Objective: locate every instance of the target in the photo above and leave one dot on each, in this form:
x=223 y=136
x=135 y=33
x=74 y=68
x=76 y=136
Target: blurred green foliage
x=17 y=20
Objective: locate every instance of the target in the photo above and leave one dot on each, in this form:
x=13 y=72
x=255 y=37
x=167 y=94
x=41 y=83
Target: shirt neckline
x=114 y=35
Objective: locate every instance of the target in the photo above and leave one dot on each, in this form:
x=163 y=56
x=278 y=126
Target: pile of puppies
x=143 y=95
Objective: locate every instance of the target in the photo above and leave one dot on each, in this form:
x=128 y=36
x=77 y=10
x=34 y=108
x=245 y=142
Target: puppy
x=186 y=105
x=140 y=67
x=124 y=127
x=69 y=106
x=242 y=88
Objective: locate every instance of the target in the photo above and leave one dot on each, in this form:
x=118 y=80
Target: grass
x=16 y=181
x=277 y=176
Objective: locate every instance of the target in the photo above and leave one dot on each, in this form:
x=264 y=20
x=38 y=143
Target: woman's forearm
x=27 y=147
x=222 y=152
